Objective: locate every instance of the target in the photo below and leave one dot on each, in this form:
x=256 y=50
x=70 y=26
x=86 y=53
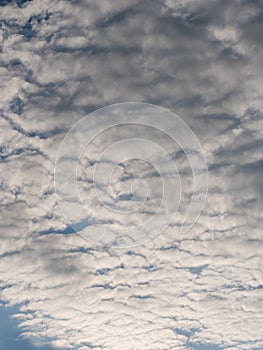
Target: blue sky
x=10 y=338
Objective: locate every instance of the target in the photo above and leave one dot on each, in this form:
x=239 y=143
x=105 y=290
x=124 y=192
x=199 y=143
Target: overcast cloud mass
x=59 y=61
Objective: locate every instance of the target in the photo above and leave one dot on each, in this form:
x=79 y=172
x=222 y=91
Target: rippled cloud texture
x=60 y=60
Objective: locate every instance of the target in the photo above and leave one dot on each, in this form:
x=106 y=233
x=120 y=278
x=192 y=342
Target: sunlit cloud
x=61 y=60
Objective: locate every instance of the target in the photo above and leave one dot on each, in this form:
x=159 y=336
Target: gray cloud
x=60 y=60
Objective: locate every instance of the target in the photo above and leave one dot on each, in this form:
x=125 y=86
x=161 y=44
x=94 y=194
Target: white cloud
x=203 y=61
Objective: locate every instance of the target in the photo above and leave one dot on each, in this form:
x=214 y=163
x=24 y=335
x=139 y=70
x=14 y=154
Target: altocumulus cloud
x=60 y=60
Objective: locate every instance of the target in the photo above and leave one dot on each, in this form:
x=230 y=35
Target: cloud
x=61 y=60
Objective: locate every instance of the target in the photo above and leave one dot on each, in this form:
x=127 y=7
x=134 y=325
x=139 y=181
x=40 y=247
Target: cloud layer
x=60 y=60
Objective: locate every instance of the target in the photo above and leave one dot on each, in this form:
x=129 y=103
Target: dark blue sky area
x=10 y=334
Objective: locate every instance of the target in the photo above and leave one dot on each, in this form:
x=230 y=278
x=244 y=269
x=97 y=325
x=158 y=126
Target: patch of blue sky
x=10 y=334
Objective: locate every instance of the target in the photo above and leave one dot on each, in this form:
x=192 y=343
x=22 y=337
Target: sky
x=62 y=64
x=10 y=332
